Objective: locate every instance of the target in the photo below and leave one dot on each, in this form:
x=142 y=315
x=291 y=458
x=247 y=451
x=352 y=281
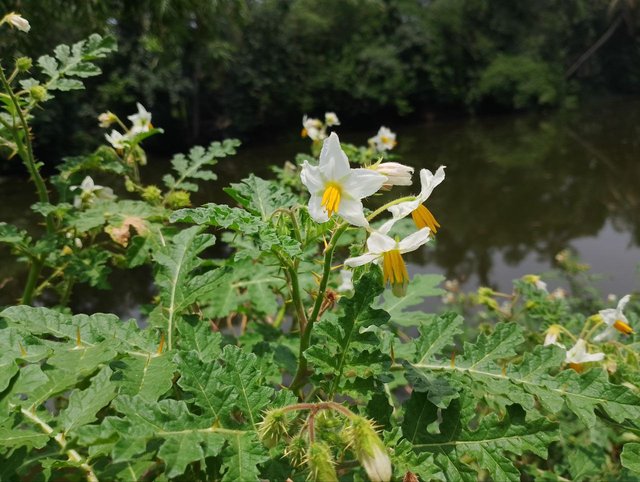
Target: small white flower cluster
x=315 y=129
x=336 y=188
x=384 y=140
x=140 y=123
x=616 y=322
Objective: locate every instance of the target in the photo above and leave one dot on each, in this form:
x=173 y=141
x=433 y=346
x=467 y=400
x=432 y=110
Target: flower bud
x=106 y=119
x=397 y=174
x=369 y=449
x=320 y=462
x=296 y=451
x=23 y=63
x=273 y=428
x=152 y=194
x=17 y=21
x=178 y=199
x=38 y=93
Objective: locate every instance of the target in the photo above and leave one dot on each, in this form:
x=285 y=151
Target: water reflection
x=518 y=190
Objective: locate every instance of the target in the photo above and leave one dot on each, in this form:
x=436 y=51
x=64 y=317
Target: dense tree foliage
x=235 y=66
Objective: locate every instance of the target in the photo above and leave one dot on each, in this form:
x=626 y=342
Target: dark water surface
x=518 y=190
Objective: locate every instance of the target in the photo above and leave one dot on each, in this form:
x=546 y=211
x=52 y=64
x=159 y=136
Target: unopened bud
x=397 y=174
x=320 y=462
x=38 y=93
x=17 y=21
x=296 y=451
x=273 y=428
x=106 y=119
x=129 y=185
x=369 y=449
x=178 y=199
x=152 y=194
x=23 y=63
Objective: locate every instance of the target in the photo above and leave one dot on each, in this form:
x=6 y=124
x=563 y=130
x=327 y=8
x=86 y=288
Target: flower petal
x=414 y=241
x=609 y=333
x=429 y=182
x=311 y=178
x=363 y=182
x=402 y=210
x=333 y=161
x=317 y=212
x=623 y=302
x=352 y=212
x=380 y=243
x=360 y=260
x=609 y=316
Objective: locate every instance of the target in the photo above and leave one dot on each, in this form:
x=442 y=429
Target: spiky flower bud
x=38 y=93
x=273 y=428
x=369 y=449
x=152 y=194
x=178 y=199
x=320 y=462
x=296 y=451
x=23 y=63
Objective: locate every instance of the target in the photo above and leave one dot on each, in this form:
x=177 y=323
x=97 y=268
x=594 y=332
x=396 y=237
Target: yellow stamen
x=622 y=327
x=303 y=134
x=395 y=272
x=423 y=218
x=578 y=367
x=331 y=198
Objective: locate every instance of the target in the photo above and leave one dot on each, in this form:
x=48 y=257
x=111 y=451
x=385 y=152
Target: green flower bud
x=129 y=185
x=178 y=199
x=23 y=63
x=296 y=451
x=369 y=449
x=38 y=93
x=320 y=462
x=152 y=194
x=273 y=428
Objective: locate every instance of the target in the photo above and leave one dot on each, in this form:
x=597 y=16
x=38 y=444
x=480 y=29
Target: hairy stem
x=32 y=280
x=301 y=374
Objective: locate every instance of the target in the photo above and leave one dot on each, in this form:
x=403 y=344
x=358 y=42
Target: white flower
x=397 y=174
x=331 y=119
x=422 y=217
x=313 y=128
x=346 y=276
x=578 y=355
x=90 y=191
x=116 y=139
x=141 y=122
x=615 y=320
x=386 y=249
x=551 y=338
x=559 y=294
x=17 y=21
x=335 y=187
x=106 y=119
x=535 y=280
x=384 y=140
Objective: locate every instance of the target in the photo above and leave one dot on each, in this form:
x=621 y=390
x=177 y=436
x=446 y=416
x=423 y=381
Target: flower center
x=578 y=367
x=331 y=198
x=622 y=327
x=395 y=272
x=423 y=218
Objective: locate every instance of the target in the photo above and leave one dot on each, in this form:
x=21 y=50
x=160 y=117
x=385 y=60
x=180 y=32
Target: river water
x=519 y=189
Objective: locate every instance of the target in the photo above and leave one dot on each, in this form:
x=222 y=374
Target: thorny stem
x=316 y=407
x=301 y=374
x=73 y=455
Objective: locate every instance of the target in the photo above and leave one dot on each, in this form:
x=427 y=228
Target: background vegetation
x=246 y=67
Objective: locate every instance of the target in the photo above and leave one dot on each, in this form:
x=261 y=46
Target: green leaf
x=346 y=346
x=630 y=457
x=260 y=196
x=84 y=405
x=458 y=448
x=146 y=376
x=241 y=456
x=421 y=287
x=435 y=335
